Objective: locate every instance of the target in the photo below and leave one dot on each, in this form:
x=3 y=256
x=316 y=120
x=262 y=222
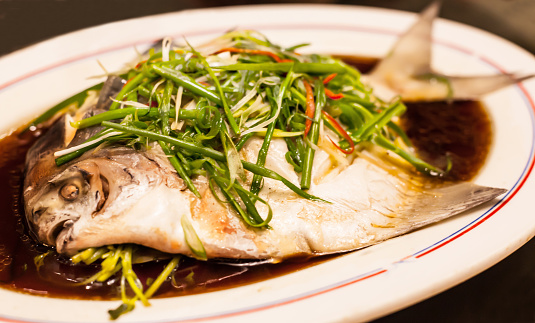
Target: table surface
x=503 y=293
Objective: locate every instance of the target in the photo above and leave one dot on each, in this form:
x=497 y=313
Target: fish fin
x=111 y=87
x=443 y=202
x=427 y=207
x=472 y=87
x=411 y=55
x=406 y=70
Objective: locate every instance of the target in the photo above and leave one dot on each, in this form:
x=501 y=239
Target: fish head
x=54 y=207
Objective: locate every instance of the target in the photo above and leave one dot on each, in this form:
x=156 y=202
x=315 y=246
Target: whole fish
x=116 y=194
x=121 y=195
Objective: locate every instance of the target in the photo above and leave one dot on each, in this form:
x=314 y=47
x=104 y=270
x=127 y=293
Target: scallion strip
x=419 y=164
x=320 y=99
x=179 y=168
x=228 y=113
x=79 y=152
x=251 y=217
x=187 y=83
x=129 y=86
x=77 y=98
x=311 y=68
x=150 y=113
x=173 y=263
x=192 y=239
x=378 y=122
x=165 y=107
x=399 y=131
x=262 y=153
x=243 y=140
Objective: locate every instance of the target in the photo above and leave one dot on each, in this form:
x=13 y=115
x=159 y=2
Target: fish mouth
x=57 y=232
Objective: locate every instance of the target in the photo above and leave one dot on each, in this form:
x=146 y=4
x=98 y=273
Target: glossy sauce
x=460 y=130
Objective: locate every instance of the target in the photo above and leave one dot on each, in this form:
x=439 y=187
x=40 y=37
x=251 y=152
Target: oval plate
x=358 y=286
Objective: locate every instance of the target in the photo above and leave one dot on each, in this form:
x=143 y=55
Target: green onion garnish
x=202 y=107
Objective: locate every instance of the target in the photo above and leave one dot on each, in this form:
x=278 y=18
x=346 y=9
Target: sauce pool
x=458 y=131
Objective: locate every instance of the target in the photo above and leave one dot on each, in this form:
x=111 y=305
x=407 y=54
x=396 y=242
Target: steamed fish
x=118 y=194
x=357 y=195
x=241 y=149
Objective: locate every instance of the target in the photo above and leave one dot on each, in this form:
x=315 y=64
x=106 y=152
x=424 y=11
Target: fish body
x=117 y=194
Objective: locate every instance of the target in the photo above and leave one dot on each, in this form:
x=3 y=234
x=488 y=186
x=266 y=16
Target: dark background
x=503 y=293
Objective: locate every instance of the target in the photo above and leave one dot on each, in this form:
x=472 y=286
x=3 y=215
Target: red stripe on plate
x=262 y=308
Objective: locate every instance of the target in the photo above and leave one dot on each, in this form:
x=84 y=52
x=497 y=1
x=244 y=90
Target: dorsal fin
x=473 y=87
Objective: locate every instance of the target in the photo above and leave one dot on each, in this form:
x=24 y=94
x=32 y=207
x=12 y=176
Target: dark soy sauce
x=460 y=131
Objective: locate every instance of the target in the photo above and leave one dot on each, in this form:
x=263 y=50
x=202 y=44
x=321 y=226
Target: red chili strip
x=311 y=106
x=138 y=65
x=253 y=52
x=329 y=78
x=341 y=131
x=130 y=79
x=333 y=96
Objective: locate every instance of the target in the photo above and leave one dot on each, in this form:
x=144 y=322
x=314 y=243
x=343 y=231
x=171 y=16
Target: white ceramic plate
x=358 y=286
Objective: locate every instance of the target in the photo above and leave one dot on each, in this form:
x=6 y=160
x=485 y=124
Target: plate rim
x=2 y=87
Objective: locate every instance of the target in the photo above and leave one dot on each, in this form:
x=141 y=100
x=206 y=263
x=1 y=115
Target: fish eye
x=69 y=192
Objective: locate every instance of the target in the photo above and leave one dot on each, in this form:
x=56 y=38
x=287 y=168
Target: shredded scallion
x=202 y=105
